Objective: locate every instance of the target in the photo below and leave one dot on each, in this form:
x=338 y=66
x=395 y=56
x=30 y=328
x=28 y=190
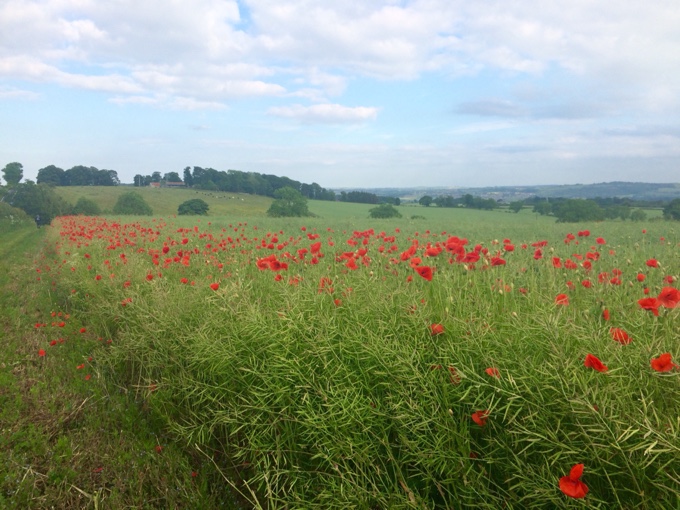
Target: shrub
x=132 y=203
x=384 y=211
x=289 y=202
x=86 y=207
x=193 y=206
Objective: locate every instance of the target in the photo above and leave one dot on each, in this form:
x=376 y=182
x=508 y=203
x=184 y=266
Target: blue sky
x=361 y=93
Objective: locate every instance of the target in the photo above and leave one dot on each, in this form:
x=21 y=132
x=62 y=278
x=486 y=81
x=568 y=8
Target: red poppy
x=652 y=263
x=493 y=372
x=640 y=277
x=337 y=302
x=605 y=314
x=214 y=286
x=663 y=363
x=571 y=485
x=669 y=297
x=424 y=271
x=436 y=329
x=652 y=304
x=562 y=299
x=594 y=363
x=41 y=352
x=600 y=240
x=480 y=417
x=620 y=336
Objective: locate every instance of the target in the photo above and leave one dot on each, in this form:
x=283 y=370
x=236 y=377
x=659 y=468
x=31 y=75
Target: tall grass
x=336 y=395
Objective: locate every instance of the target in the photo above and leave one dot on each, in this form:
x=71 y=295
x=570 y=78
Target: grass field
x=342 y=362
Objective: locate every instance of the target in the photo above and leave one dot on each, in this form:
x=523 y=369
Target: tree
x=156 y=177
x=193 y=206
x=86 y=207
x=39 y=200
x=289 y=202
x=172 y=177
x=188 y=178
x=516 y=206
x=672 y=210
x=543 y=208
x=384 y=211
x=575 y=210
x=638 y=215
x=138 y=180
x=132 y=202
x=13 y=173
x=51 y=175
x=425 y=200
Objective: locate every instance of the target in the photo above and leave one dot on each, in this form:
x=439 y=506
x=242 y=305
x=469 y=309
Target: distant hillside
x=632 y=190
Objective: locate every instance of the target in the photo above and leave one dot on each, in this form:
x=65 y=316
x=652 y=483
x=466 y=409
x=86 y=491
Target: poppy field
x=327 y=364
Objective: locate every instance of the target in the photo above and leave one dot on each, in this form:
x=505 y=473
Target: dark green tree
x=672 y=210
x=132 y=203
x=638 y=215
x=384 y=211
x=172 y=177
x=188 y=178
x=156 y=177
x=39 y=200
x=138 y=180
x=516 y=206
x=13 y=173
x=543 y=208
x=86 y=207
x=425 y=200
x=51 y=175
x=576 y=210
x=193 y=206
x=289 y=202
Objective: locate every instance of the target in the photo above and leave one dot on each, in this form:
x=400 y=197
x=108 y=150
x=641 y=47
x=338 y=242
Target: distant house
x=155 y=184
x=178 y=184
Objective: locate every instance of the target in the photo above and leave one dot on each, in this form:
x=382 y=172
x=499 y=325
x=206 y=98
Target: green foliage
x=51 y=175
x=38 y=200
x=638 y=215
x=132 y=203
x=193 y=206
x=172 y=177
x=425 y=200
x=672 y=210
x=289 y=202
x=384 y=211
x=577 y=210
x=86 y=207
x=516 y=206
x=13 y=173
x=543 y=208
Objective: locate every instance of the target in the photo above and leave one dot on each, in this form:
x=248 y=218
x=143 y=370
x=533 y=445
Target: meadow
x=462 y=359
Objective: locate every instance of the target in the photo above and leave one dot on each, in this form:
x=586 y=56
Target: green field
x=293 y=363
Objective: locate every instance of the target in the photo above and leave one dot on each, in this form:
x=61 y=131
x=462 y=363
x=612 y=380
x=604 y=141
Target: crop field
x=458 y=359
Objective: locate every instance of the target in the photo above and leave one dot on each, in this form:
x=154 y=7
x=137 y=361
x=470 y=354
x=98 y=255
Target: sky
x=351 y=93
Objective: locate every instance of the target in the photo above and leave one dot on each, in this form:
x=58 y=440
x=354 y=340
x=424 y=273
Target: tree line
x=236 y=181
x=78 y=175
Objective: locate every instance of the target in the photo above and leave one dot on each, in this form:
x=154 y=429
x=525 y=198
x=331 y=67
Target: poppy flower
x=605 y=314
x=652 y=263
x=651 y=304
x=669 y=297
x=424 y=271
x=620 y=336
x=562 y=299
x=436 y=329
x=594 y=363
x=640 y=277
x=41 y=352
x=493 y=372
x=480 y=417
x=214 y=286
x=663 y=363
x=571 y=485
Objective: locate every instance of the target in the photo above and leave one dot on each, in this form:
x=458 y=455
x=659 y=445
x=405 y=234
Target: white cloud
x=326 y=113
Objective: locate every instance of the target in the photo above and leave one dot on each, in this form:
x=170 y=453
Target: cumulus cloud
x=326 y=113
